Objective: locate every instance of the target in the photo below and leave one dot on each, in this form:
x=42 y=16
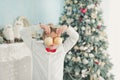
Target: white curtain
x=113 y=31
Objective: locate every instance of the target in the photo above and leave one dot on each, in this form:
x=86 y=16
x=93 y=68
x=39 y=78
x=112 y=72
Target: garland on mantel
x=10 y=33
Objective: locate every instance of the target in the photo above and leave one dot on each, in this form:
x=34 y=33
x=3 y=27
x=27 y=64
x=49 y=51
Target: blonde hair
x=52 y=29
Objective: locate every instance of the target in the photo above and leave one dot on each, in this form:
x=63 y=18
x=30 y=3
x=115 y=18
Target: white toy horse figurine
x=18 y=26
x=8 y=33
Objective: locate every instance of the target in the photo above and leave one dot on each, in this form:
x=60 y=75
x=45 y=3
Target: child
x=48 y=57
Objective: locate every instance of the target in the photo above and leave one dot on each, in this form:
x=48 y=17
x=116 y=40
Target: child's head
x=52 y=40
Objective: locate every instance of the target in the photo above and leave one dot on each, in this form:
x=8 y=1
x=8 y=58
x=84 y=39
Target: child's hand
x=61 y=30
x=46 y=28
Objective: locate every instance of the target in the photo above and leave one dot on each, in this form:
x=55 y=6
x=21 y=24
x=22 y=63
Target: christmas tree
x=88 y=59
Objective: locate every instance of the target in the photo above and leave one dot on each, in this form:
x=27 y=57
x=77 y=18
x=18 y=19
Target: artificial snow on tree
x=88 y=59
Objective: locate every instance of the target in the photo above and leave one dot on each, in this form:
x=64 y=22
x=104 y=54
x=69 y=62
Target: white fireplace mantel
x=15 y=62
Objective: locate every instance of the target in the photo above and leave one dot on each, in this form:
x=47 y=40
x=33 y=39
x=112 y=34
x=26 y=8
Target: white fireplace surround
x=15 y=62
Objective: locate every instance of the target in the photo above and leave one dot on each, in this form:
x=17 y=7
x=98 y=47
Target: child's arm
x=71 y=40
x=26 y=33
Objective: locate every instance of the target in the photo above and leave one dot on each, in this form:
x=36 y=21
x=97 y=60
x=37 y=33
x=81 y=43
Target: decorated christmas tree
x=88 y=59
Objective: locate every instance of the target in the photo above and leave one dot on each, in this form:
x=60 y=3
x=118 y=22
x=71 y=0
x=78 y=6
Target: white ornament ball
x=93 y=29
x=85 y=54
x=101 y=49
x=83 y=28
x=91 y=48
x=70 y=52
x=78 y=58
x=76 y=73
x=73 y=58
x=90 y=6
x=102 y=64
x=75 y=1
x=93 y=21
x=66 y=7
x=88 y=45
x=84 y=73
x=85 y=61
x=91 y=55
x=77 y=16
x=76 y=47
x=85 y=16
x=69 y=20
x=85 y=48
x=93 y=15
x=87 y=21
x=84 y=43
x=96 y=12
x=69 y=8
x=69 y=57
x=88 y=50
x=81 y=47
x=69 y=12
x=81 y=5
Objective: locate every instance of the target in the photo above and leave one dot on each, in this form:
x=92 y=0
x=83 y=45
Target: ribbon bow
x=50 y=50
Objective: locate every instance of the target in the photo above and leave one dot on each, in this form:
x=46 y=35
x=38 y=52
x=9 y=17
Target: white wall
x=44 y=11
x=111 y=16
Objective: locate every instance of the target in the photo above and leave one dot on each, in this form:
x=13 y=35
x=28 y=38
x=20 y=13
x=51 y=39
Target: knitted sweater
x=47 y=65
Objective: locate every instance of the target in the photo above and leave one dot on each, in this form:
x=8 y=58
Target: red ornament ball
x=98 y=27
x=83 y=10
x=96 y=62
x=80 y=19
